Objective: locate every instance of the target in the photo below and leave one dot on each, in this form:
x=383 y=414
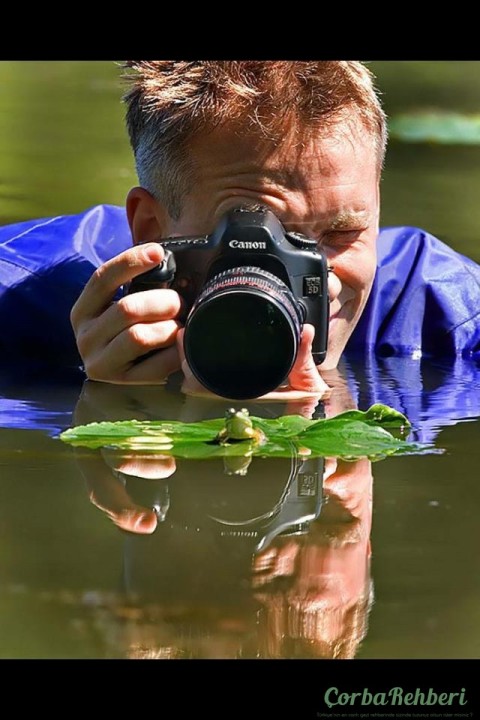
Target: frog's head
x=238 y=424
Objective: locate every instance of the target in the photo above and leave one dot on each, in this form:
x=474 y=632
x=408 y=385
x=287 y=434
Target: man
x=306 y=139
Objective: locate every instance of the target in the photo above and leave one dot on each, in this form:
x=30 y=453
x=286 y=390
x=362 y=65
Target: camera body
x=273 y=281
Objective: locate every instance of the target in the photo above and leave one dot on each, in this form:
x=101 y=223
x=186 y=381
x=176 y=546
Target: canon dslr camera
x=248 y=289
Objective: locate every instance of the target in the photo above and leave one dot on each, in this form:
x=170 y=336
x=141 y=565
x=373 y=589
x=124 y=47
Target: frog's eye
x=230 y=412
x=244 y=411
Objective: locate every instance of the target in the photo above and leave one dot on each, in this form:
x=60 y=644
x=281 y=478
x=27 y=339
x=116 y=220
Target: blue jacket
x=424 y=305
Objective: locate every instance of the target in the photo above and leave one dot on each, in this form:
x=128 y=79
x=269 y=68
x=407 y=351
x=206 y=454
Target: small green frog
x=239 y=426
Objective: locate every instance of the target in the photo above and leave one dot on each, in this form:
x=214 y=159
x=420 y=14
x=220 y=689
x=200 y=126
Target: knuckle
x=77 y=313
x=83 y=343
x=156 y=335
x=167 y=302
x=85 y=339
x=97 y=278
x=94 y=370
x=129 y=308
x=138 y=336
x=74 y=319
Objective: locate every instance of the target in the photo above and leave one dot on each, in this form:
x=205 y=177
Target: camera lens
x=243 y=333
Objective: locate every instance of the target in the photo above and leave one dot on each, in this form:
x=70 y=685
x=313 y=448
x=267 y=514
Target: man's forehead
x=330 y=180
x=284 y=162
x=324 y=162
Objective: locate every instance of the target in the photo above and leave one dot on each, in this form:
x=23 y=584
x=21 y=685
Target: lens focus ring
x=254 y=278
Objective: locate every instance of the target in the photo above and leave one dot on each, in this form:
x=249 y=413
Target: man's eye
x=339 y=237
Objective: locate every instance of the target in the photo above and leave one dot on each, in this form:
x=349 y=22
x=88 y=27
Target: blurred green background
x=63 y=145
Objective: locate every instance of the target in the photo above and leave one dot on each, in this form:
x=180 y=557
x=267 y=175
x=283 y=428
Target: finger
x=285 y=561
x=265 y=559
x=304 y=374
x=135 y=519
x=143 y=307
x=105 y=281
x=115 y=362
x=155 y=369
x=109 y=495
x=150 y=467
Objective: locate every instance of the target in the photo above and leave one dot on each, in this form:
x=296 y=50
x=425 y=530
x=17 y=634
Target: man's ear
x=146 y=216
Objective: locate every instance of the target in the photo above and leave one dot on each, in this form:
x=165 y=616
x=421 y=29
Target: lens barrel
x=243 y=333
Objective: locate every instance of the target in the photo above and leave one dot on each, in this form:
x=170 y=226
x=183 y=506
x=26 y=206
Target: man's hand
x=304 y=375
x=108 y=493
x=112 y=336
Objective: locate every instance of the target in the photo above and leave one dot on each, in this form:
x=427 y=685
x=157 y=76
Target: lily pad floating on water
x=350 y=436
x=436 y=127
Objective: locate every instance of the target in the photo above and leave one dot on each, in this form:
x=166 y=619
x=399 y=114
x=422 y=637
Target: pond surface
x=394 y=578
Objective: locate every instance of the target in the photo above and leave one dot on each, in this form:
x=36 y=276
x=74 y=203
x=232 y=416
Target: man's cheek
x=360 y=276
x=368 y=265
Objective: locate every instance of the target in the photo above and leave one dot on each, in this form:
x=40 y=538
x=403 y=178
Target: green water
x=72 y=584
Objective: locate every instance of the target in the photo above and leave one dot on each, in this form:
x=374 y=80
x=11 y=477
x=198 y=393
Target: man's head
x=304 y=138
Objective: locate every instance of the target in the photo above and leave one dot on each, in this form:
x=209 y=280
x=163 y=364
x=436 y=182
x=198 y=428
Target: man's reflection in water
x=221 y=564
x=316 y=591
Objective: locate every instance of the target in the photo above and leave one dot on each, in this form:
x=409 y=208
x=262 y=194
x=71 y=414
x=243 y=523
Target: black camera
x=248 y=289
x=283 y=498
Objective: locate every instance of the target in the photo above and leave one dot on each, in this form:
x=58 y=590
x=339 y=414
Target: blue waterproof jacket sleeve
x=44 y=265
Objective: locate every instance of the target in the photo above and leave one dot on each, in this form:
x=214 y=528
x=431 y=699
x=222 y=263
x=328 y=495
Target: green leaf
x=351 y=435
x=356 y=439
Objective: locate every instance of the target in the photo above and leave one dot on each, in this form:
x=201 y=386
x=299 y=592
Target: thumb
x=304 y=374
